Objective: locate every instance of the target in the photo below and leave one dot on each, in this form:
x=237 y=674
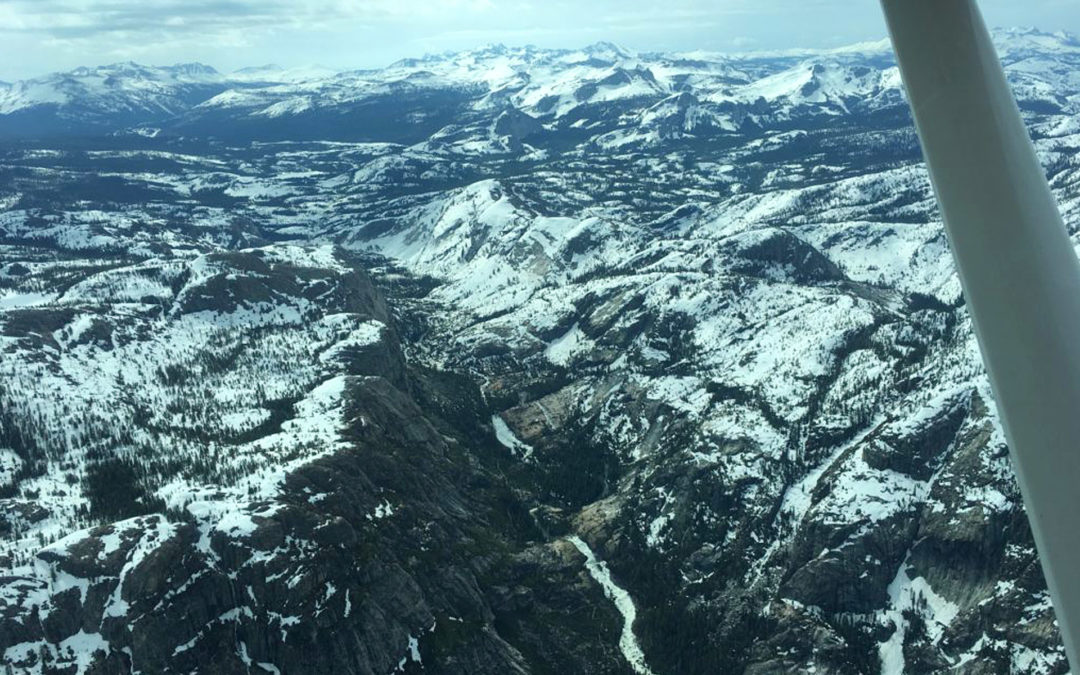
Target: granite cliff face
x=510 y=360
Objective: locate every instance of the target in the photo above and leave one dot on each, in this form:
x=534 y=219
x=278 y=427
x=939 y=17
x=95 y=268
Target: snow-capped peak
x=821 y=82
x=193 y=70
x=118 y=87
x=273 y=73
x=609 y=51
x=1012 y=40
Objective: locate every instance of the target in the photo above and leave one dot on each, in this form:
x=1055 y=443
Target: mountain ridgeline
x=510 y=360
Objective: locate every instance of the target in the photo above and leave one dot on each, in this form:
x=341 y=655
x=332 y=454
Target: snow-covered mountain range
x=556 y=86
x=503 y=361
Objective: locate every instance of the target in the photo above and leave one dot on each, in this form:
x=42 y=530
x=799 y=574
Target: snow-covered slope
x=104 y=98
x=510 y=360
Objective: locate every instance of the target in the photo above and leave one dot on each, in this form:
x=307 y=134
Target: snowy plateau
x=510 y=360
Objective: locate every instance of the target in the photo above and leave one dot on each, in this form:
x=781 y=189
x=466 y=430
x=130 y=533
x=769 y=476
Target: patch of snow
x=564 y=348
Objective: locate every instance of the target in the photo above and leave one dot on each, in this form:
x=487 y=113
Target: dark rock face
x=400 y=538
x=781 y=253
x=517 y=125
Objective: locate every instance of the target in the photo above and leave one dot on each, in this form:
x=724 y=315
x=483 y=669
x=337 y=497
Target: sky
x=42 y=36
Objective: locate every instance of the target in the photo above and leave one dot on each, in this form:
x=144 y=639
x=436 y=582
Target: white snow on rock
x=509 y=440
x=907 y=594
x=564 y=348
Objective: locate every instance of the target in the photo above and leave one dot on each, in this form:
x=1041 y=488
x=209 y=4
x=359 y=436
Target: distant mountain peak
x=1031 y=38
x=266 y=67
x=605 y=48
x=194 y=67
x=496 y=48
x=276 y=73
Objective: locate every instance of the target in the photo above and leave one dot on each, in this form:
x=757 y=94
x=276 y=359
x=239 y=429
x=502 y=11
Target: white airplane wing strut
x=1017 y=267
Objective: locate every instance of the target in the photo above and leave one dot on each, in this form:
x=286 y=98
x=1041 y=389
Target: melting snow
x=599 y=571
x=507 y=438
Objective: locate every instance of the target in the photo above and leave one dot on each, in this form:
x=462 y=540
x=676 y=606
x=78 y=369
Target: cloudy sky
x=39 y=36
